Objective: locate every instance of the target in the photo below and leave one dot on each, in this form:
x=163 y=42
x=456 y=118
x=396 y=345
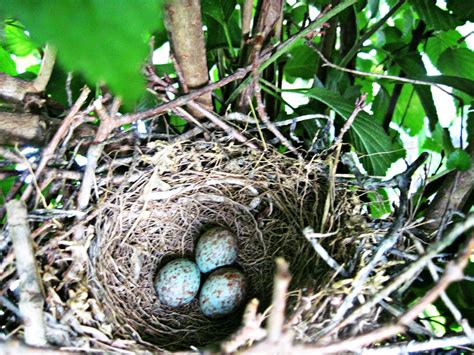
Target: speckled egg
x=177 y=283
x=222 y=293
x=217 y=247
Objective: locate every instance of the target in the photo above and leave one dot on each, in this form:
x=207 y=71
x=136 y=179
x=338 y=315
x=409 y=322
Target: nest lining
x=182 y=189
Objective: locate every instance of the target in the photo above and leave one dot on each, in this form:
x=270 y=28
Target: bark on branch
x=35 y=130
x=16 y=89
x=31 y=298
x=184 y=25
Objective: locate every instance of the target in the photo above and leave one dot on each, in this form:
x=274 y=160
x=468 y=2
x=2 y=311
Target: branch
x=353 y=51
x=403 y=182
x=184 y=25
x=21 y=128
x=46 y=69
x=374 y=75
x=452 y=194
x=284 y=47
x=16 y=89
x=218 y=122
x=410 y=271
x=264 y=61
x=31 y=298
x=60 y=134
x=276 y=320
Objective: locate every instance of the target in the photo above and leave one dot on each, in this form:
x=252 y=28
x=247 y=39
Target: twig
x=433 y=250
x=418 y=347
x=46 y=69
x=218 y=122
x=374 y=75
x=182 y=100
x=276 y=319
x=265 y=60
x=454 y=272
x=246 y=20
x=444 y=296
x=93 y=155
x=48 y=152
x=312 y=237
x=7 y=154
x=359 y=106
x=355 y=48
x=328 y=204
x=261 y=107
x=31 y=298
x=403 y=182
x=249 y=332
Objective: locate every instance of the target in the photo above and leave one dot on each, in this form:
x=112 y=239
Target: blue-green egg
x=177 y=283
x=222 y=293
x=217 y=247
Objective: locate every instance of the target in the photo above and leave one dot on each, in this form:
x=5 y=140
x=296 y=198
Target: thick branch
x=453 y=194
x=31 y=299
x=21 y=128
x=183 y=21
x=15 y=89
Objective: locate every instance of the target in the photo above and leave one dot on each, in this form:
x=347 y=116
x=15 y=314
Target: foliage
x=106 y=43
x=103 y=39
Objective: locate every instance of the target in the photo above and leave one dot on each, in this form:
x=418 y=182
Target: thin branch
x=48 y=152
x=312 y=237
x=182 y=100
x=374 y=75
x=250 y=330
x=355 y=48
x=261 y=107
x=418 y=347
x=218 y=122
x=265 y=60
x=276 y=319
x=46 y=69
x=31 y=298
x=359 y=106
x=403 y=181
x=433 y=250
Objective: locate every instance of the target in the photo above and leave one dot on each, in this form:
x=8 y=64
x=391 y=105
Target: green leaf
x=412 y=64
x=104 y=39
x=435 y=17
x=374 y=7
x=459 y=159
x=301 y=63
x=439 y=42
x=368 y=137
x=439 y=140
x=455 y=82
x=409 y=112
x=5 y=186
x=7 y=65
x=462 y=9
x=216 y=37
x=17 y=41
x=219 y=10
x=457 y=62
x=178 y=123
x=379 y=203
x=298 y=13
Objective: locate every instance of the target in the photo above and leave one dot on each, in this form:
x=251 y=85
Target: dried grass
x=265 y=199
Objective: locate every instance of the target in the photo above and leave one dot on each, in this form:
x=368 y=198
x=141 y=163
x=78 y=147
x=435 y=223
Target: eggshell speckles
x=177 y=283
x=222 y=293
x=217 y=247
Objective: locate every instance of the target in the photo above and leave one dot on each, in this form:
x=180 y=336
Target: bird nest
x=173 y=193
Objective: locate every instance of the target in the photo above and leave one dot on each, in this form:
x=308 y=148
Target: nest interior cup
x=171 y=196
